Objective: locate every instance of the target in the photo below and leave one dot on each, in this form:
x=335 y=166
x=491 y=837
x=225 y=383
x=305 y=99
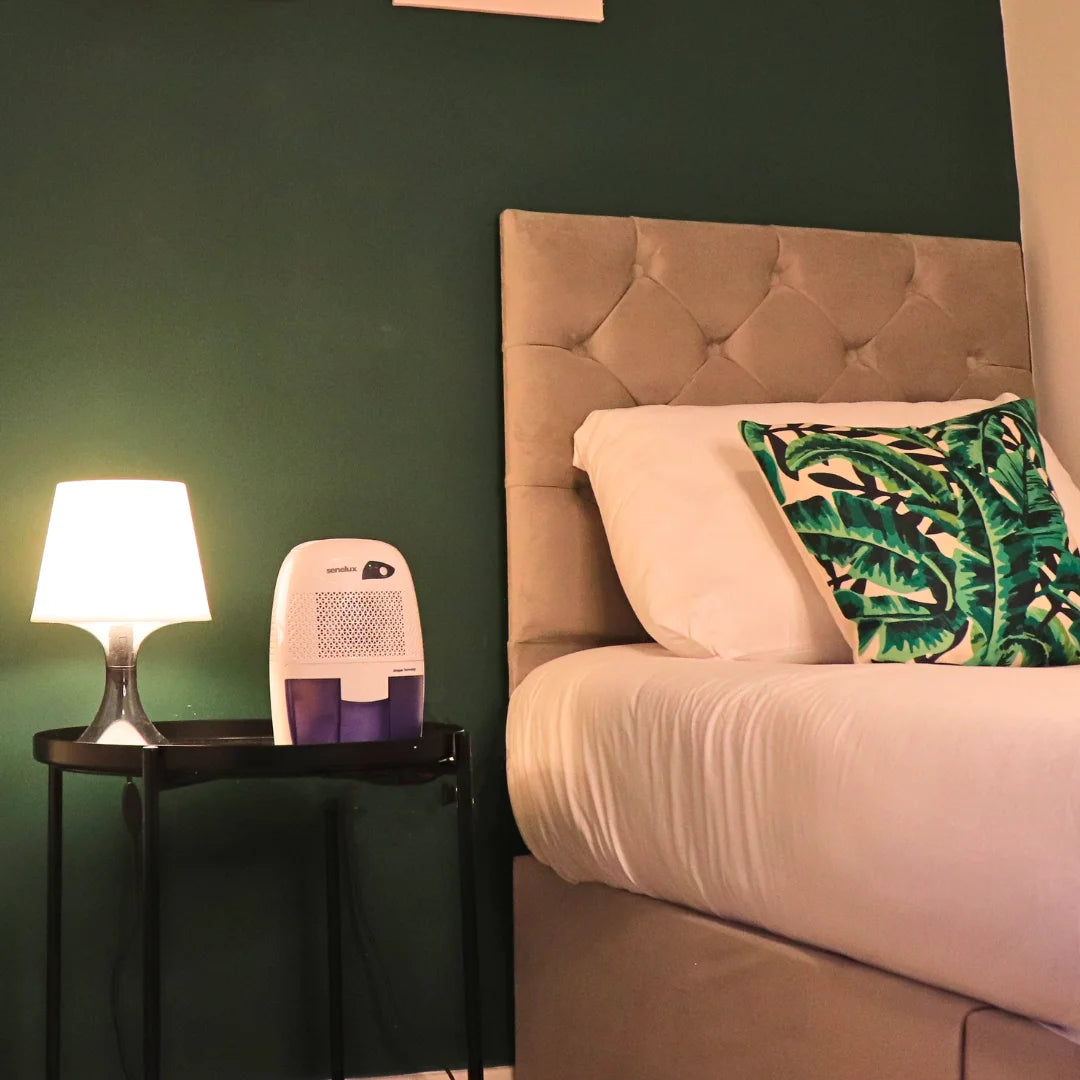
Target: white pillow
x=702 y=552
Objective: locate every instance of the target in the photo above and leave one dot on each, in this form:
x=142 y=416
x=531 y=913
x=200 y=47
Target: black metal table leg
x=467 y=878
x=54 y=897
x=151 y=913
x=333 y=941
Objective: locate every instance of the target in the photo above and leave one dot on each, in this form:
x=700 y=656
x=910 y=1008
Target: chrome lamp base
x=120 y=717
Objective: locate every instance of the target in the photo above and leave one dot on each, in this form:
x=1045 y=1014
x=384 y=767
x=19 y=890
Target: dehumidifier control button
x=373 y=569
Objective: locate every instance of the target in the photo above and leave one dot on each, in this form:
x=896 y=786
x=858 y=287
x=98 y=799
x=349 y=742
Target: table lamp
x=120 y=560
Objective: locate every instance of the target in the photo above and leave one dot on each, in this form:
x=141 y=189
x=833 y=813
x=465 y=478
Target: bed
x=641 y=954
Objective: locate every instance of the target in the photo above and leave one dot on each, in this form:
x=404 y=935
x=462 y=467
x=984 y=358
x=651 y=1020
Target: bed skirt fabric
x=615 y=986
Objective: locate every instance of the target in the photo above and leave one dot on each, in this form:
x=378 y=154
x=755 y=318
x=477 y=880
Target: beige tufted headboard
x=603 y=312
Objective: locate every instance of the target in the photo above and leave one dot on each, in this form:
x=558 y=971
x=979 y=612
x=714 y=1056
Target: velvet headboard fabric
x=612 y=312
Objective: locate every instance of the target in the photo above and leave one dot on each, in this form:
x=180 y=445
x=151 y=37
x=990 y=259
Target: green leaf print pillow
x=941 y=544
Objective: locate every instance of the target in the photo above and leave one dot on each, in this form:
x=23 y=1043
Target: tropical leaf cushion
x=937 y=544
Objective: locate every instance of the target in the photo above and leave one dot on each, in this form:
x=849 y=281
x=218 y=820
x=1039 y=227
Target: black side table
x=202 y=750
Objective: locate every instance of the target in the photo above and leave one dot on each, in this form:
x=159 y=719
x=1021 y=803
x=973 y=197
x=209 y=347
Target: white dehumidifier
x=346 y=654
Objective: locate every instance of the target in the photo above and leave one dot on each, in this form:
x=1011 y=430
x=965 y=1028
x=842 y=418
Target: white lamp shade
x=120 y=551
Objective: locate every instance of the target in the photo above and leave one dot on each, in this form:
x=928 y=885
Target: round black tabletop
x=209 y=749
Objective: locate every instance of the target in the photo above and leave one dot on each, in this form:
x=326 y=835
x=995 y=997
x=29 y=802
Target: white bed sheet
x=922 y=819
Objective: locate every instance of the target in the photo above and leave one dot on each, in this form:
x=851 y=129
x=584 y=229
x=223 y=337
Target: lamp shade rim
x=108 y=619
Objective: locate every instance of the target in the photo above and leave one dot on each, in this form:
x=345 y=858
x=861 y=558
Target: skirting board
x=497 y=1072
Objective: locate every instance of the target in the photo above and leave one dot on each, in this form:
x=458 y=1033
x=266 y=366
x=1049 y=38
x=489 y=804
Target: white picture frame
x=581 y=10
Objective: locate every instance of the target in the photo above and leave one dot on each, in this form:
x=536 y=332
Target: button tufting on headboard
x=603 y=313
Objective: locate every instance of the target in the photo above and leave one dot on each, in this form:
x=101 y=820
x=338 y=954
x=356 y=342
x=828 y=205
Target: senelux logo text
x=341 y=569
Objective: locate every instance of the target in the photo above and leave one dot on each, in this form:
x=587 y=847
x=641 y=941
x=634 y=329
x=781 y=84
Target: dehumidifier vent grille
x=346 y=625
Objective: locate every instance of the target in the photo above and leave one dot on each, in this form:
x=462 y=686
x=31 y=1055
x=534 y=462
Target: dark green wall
x=252 y=245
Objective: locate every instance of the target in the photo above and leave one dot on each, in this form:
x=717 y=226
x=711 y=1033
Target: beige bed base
x=614 y=986
x=603 y=312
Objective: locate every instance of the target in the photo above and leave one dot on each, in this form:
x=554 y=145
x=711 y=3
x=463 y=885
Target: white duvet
x=922 y=819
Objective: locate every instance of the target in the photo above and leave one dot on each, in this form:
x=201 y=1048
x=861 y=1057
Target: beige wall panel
x=1042 y=46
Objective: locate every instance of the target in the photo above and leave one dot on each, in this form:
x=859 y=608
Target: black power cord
x=375 y=972
x=376 y=977
x=374 y=968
